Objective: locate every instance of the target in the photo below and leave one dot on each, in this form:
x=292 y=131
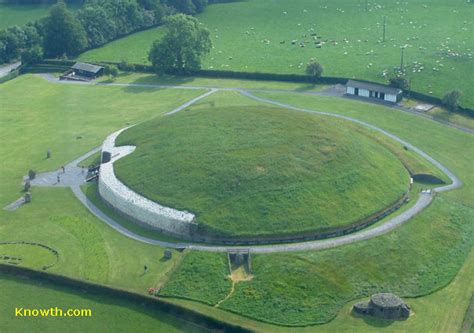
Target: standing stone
x=27 y=185
x=48 y=154
x=168 y=254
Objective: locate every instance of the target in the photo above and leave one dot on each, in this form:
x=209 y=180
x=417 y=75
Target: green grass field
x=70 y=120
x=12 y=14
x=415 y=260
x=425 y=254
x=259 y=170
x=434 y=312
x=249 y=36
x=108 y=314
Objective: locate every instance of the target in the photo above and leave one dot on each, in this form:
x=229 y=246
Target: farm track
x=423 y=201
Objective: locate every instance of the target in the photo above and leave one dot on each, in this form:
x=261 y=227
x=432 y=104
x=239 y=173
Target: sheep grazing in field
x=293 y=42
x=285 y=13
x=305 y=11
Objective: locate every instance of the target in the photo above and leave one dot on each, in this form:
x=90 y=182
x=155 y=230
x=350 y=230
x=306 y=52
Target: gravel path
x=73 y=178
x=5 y=69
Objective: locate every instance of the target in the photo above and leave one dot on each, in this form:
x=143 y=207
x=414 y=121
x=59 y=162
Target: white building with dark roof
x=372 y=90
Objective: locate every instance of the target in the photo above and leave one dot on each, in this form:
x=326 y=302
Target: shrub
x=111 y=70
x=314 y=69
x=32 y=56
x=125 y=66
x=399 y=82
x=451 y=100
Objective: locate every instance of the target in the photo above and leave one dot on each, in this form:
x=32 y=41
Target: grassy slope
x=11 y=14
x=433 y=313
x=430 y=32
x=201 y=273
x=422 y=256
x=52 y=116
x=108 y=314
x=235 y=169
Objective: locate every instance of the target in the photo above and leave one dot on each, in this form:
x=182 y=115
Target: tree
x=399 y=82
x=451 y=100
x=64 y=34
x=314 y=69
x=181 y=49
x=183 y=6
x=32 y=55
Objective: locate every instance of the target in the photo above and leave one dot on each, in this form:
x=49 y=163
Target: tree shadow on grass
x=306 y=87
x=152 y=82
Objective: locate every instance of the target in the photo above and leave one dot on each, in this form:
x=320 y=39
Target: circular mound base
x=262 y=172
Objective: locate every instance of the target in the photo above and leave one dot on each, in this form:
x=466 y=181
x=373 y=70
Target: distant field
x=108 y=314
x=251 y=170
x=257 y=35
x=11 y=14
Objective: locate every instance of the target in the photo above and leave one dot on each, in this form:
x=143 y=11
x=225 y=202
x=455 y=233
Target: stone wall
x=130 y=203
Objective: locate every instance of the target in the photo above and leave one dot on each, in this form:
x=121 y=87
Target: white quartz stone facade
x=139 y=208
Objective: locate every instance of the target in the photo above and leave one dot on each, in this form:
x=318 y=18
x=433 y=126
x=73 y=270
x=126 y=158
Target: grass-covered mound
x=416 y=259
x=259 y=170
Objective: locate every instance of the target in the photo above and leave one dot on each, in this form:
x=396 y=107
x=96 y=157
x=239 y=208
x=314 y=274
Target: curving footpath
x=423 y=201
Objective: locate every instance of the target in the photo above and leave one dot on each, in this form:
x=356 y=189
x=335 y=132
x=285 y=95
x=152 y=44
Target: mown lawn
x=414 y=260
x=259 y=170
x=142 y=78
x=257 y=36
x=108 y=314
x=70 y=120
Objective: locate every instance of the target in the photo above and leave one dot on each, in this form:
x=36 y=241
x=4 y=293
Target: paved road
x=333 y=91
x=5 y=69
x=423 y=201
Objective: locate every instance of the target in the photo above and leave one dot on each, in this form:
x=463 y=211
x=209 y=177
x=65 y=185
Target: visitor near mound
x=385 y=306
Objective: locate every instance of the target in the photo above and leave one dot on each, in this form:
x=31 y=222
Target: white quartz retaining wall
x=130 y=203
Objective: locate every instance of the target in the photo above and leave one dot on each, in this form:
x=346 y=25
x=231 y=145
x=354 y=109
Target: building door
x=356 y=91
x=382 y=96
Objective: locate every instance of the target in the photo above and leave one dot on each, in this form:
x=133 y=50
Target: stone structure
x=129 y=203
x=385 y=306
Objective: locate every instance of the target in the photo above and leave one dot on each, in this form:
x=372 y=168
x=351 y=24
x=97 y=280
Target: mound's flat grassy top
x=247 y=170
x=258 y=36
